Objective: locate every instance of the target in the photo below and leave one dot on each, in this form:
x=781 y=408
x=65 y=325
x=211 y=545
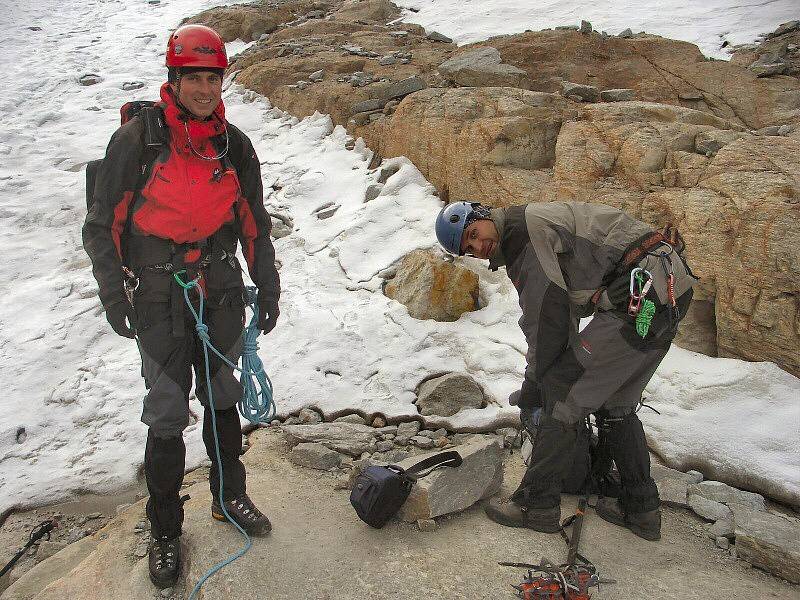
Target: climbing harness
x=257 y=404
x=43 y=529
x=568 y=581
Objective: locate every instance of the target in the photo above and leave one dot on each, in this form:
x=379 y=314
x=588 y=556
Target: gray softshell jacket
x=558 y=254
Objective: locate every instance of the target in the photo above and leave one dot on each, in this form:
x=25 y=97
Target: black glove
x=267 y=315
x=614 y=296
x=117 y=314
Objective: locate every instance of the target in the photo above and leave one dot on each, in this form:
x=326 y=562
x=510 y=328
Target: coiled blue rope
x=257 y=404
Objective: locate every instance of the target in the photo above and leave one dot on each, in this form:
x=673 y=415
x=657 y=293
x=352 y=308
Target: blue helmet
x=453 y=219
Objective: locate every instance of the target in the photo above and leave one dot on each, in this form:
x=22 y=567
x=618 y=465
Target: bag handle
x=451 y=458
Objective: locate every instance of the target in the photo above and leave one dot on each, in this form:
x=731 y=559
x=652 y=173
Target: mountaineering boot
x=646 y=525
x=244 y=512
x=511 y=514
x=165 y=561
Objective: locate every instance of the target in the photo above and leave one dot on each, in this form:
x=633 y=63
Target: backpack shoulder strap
x=451 y=458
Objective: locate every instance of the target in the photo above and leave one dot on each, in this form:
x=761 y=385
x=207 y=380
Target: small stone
x=405 y=61
x=352 y=418
x=388 y=436
x=384 y=446
x=367 y=106
x=586 y=27
x=379 y=422
x=315 y=14
x=83 y=520
x=442 y=442
x=263 y=37
x=708 y=509
x=422 y=442
x=387 y=60
x=585 y=93
x=407 y=430
x=696 y=476
x=275 y=422
x=141 y=550
x=90 y=79
x=315 y=456
x=435 y=36
x=721 y=528
x=132 y=85
x=317 y=76
x=75 y=535
x=398 y=34
x=617 y=95
x=626 y=33
x=722 y=542
x=301 y=85
x=733 y=552
x=94 y=515
x=308 y=416
x=166 y=592
x=426 y=524
x=785 y=129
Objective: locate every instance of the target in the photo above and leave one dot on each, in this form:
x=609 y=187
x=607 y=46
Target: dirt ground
x=319 y=549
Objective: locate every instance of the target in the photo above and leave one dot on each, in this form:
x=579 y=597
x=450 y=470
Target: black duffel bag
x=379 y=492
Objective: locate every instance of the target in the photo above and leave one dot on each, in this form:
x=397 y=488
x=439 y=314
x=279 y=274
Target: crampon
x=569 y=581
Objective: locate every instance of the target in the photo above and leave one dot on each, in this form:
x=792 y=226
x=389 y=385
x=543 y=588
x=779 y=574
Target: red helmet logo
x=196 y=46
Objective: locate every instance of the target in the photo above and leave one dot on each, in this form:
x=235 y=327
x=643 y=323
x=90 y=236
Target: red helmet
x=196 y=46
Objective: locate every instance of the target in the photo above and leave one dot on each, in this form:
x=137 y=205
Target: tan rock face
x=478 y=142
x=657 y=69
x=275 y=66
x=433 y=289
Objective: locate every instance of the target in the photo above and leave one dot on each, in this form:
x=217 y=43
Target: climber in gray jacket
x=569 y=260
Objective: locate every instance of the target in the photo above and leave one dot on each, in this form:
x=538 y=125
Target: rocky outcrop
x=479 y=143
x=432 y=288
x=250 y=22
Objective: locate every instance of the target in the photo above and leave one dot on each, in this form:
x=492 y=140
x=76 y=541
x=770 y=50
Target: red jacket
x=185 y=198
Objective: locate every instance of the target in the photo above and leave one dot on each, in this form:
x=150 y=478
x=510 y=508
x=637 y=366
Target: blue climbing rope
x=256 y=405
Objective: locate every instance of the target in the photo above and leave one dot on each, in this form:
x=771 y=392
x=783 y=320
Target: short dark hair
x=173 y=73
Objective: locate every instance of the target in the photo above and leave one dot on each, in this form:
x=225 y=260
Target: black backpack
x=155 y=139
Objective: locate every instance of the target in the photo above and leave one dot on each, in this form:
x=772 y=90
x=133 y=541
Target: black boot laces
x=166 y=552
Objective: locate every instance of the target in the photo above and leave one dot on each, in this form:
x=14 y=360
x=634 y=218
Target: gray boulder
x=448 y=394
x=708 y=509
x=769 y=542
x=617 y=95
x=450 y=490
x=435 y=36
x=315 y=456
x=401 y=88
x=482 y=67
x=587 y=93
x=771 y=63
x=349 y=438
x=725 y=494
x=405 y=431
